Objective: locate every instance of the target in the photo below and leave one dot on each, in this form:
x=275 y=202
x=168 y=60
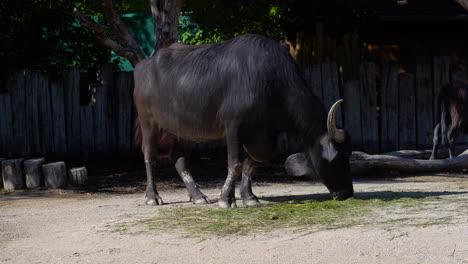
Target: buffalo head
x=328 y=159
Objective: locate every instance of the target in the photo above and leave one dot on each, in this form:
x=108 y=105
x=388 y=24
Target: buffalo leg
x=248 y=169
x=436 y=142
x=149 y=144
x=227 y=198
x=451 y=135
x=181 y=154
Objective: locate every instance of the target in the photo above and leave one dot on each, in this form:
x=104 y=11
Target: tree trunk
x=78 y=176
x=166 y=21
x=55 y=175
x=33 y=172
x=13 y=176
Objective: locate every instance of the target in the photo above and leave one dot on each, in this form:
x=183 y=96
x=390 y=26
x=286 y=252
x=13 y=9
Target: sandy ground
x=67 y=227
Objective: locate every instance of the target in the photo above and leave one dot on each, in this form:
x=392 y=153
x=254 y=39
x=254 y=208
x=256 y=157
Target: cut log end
x=55 y=175
x=13 y=175
x=33 y=173
x=78 y=176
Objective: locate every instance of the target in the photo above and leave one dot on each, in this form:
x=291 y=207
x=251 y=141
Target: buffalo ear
x=329 y=151
x=299 y=165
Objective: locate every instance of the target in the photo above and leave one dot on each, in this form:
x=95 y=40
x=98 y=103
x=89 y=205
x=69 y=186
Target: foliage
x=218 y=20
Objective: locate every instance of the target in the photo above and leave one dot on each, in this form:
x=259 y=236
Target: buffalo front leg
x=248 y=169
x=195 y=195
x=227 y=198
x=149 y=144
x=436 y=142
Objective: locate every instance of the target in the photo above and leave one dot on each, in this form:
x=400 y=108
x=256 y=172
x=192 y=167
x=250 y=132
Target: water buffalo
x=452 y=109
x=247 y=89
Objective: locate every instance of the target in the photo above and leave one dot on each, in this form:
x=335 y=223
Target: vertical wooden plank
x=86 y=130
x=123 y=88
x=331 y=91
x=441 y=78
x=316 y=81
x=406 y=112
x=6 y=124
x=46 y=123
x=101 y=109
x=352 y=112
x=389 y=108
x=32 y=143
x=424 y=104
x=58 y=115
x=19 y=114
x=72 y=113
x=370 y=136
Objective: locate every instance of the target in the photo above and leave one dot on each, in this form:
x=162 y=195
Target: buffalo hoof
x=155 y=201
x=200 y=200
x=226 y=204
x=251 y=202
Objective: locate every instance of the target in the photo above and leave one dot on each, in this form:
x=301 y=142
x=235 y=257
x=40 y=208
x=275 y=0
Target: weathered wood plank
x=6 y=124
x=313 y=75
x=352 y=112
x=331 y=90
x=87 y=130
x=33 y=143
x=370 y=136
x=101 y=109
x=57 y=93
x=46 y=123
x=424 y=104
x=441 y=78
x=406 y=112
x=389 y=108
x=72 y=111
x=18 y=98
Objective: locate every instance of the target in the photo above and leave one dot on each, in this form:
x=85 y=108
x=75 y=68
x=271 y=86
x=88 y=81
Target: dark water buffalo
x=452 y=111
x=247 y=90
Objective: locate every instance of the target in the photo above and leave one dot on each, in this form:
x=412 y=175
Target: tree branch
x=120 y=29
x=101 y=32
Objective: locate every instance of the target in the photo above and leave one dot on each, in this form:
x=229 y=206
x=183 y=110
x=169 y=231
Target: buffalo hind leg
x=181 y=154
x=248 y=169
x=149 y=145
x=227 y=198
x=436 y=142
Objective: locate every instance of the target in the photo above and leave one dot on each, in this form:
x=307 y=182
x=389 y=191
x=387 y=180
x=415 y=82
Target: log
x=360 y=162
x=78 y=176
x=33 y=172
x=13 y=176
x=55 y=175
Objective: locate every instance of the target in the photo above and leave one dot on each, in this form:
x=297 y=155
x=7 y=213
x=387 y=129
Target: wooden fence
x=386 y=109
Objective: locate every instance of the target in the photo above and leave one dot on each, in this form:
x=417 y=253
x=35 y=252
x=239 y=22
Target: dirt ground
x=74 y=226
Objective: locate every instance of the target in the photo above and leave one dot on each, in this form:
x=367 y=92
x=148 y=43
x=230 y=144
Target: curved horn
x=338 y=135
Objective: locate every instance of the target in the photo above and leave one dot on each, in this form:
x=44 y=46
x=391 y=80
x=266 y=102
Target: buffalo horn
x=338 y=135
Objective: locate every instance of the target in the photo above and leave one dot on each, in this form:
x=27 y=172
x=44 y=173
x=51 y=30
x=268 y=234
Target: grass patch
x=298 y=215
x=2 y=191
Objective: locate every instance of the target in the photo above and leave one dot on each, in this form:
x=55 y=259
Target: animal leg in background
x=451 y=135
x=248 y=169
x=227 y=198
x=150 y=138
x=436 y=141
x=181 y=154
